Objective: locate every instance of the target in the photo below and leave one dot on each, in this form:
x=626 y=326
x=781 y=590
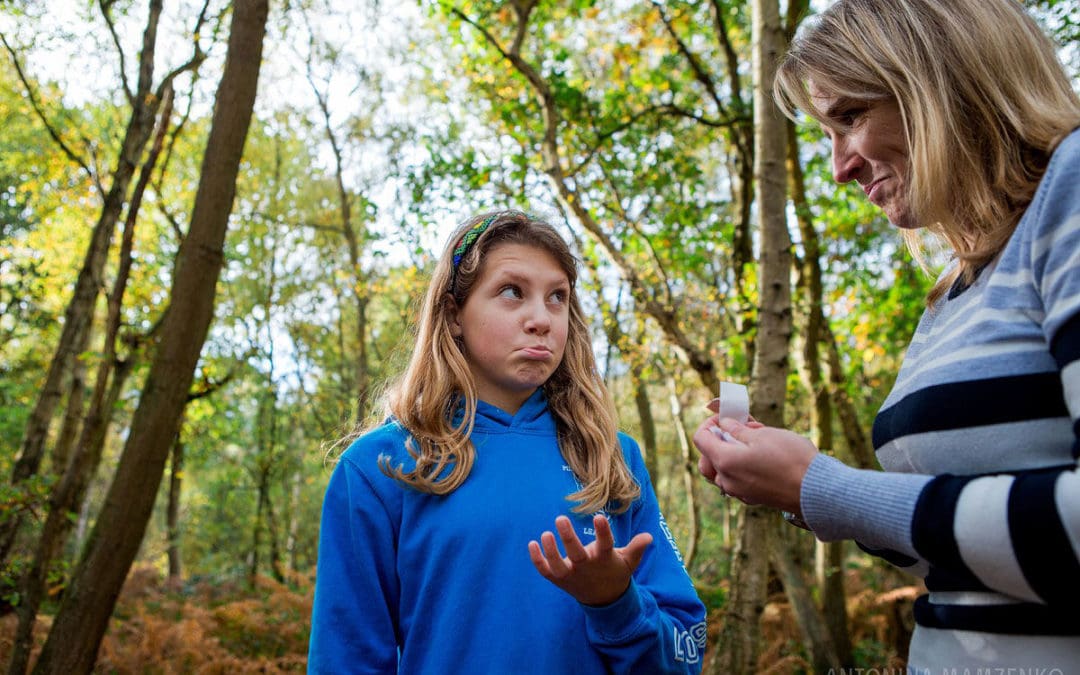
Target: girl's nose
x=537 y=318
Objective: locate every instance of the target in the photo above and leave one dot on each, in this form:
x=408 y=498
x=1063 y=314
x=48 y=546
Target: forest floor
x=207 y=626
x=880 y=623
x=215 y=627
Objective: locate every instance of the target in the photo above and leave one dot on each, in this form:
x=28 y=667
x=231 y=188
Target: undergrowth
x=879 y=626
x=209 y=627
x=221 y=625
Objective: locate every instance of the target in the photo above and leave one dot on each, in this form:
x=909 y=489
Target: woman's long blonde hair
x=437 y=386
x=983 y=98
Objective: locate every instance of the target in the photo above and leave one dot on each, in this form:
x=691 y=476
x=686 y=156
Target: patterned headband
x=465 y=243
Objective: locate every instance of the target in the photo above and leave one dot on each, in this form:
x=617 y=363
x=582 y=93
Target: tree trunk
x=648 y=424
x=73 y=642
x=78 y=469
x=618 y=339
x=272 y=535
x=854 y=436
x=172 y=513
x=689 y=472
x=354 y=244
x=739 y=133
x=354 y=241
x=741 y=631
x=68 y=497
x=831 y=574
x=80 y=310
x=294 y=520
x=73 y=416
x=814 y=630
x=834 y=600
x=256 y=533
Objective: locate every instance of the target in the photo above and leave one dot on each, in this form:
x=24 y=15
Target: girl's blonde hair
x=983 y=98
x=437 y=386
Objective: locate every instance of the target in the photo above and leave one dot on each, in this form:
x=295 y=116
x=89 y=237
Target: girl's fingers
x=605 y=541
x=635 y=550
x=538 y=560
x=551 y=553
x=574 y=550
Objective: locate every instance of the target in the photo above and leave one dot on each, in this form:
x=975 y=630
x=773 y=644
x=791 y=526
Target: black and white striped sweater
x=980 y=439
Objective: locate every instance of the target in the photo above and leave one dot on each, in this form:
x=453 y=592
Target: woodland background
x=204 y=288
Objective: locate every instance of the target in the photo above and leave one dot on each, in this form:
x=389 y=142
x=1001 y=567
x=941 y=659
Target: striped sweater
x=979 y=440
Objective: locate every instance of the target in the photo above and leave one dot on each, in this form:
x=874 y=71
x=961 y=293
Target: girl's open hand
x=597 y=574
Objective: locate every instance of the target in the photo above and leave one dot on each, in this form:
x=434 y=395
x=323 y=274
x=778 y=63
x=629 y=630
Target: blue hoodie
x=417 y=583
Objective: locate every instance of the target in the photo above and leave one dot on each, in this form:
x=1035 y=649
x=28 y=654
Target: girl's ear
x=453 y=315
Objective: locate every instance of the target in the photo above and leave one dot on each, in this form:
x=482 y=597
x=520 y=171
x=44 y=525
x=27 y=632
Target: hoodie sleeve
x=658 y=625
x=354 y=616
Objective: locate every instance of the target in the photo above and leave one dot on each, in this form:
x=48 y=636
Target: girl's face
x=872 y=150
x=514 y=324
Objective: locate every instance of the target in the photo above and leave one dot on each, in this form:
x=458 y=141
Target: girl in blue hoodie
x=435 y=549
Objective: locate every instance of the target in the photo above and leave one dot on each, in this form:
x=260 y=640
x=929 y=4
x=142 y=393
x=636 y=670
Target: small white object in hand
x=733 y=402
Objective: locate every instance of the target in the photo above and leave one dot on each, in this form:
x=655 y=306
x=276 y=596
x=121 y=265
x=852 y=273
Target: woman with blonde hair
x=499 y=426
x=955 y=118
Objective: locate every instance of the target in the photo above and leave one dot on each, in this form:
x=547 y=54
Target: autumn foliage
x=217 y=626
x=210 y=627
x=880 y=625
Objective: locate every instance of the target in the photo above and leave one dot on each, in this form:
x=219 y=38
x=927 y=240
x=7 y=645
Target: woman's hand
x=754 y=463
x=597 y=574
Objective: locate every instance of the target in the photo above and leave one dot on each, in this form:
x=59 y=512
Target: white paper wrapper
x=733 y=402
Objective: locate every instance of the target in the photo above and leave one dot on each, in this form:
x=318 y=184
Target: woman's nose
x=846 y=162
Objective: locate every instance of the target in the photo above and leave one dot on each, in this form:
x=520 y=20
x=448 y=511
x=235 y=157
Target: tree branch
x=35 y=103
x=105 y=6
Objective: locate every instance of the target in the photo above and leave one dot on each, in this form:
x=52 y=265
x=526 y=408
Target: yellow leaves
x=59 y=243
x=872 y=352
x=659 y=43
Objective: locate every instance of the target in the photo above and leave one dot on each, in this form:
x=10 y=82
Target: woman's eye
x=849 y=117
x=559 y=297
x=510 y=291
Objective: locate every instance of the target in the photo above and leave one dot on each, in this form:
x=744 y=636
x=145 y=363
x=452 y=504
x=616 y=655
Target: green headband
x=465 y=243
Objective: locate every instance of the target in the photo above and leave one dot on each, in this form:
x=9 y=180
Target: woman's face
x=871 y=149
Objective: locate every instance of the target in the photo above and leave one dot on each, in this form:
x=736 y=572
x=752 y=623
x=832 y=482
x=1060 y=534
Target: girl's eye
x=510 y=291
x=559 y=297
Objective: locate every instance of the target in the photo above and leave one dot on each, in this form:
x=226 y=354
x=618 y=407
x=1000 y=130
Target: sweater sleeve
x=658 y=625
x=356 y=591
x=875 y=508
x=1017 y=532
